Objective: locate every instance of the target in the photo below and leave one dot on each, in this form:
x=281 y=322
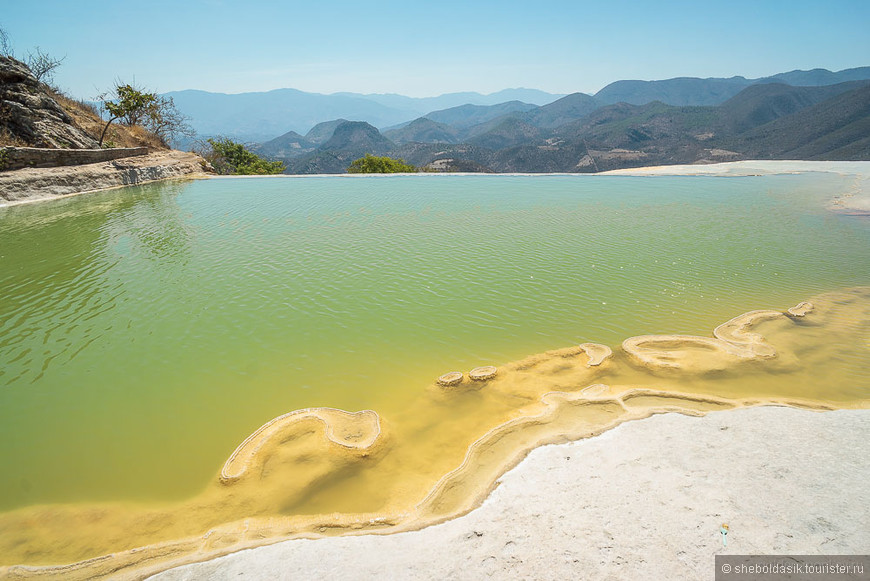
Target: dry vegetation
x=9 y=140
x=88 y=119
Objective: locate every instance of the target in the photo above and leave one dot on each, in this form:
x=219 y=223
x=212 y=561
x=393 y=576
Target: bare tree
x=166 y=122
x=5 y=44
x=42 y=65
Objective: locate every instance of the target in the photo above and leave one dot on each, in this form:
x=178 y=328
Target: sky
x=423 y=49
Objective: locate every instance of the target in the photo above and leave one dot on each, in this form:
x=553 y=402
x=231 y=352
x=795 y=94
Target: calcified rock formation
x=597 y=354
x=30 y=115
x=731 y=344
x=801 y=309
x=356 y=432
x=645 y=502
x=323 y=471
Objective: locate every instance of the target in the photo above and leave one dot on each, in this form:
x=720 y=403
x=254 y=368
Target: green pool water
x=145 y=332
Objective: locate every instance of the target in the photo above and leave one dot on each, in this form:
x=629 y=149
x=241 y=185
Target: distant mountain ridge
x=258 y=117
x=262 y=116
x=578 y=133
x=689 y=91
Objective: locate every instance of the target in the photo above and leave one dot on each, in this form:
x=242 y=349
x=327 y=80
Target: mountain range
x=815 y=114
x=253 y=117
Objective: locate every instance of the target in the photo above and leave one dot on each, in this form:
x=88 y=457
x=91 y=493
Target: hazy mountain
x=760 y=104
x=568 y=108
x=423 y=130
x=288 y=145
x=422 y=105
x=320 y=133
x=472 y=123
x=819 y=77
x=635 y=127
x=264 y=115
x=578 y=134
x=357 y=137
x=680 y=91
x=466 y=116
x=350 y=140
x=713 y=91
x=507 y=133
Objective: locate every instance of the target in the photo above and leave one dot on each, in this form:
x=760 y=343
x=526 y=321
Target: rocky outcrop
x=45 y=183
x=28 y=114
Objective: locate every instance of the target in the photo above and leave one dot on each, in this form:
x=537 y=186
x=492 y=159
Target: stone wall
x=21 y=157
x=31 y=184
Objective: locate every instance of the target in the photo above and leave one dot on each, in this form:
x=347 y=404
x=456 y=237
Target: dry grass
x=9 y=140
x=86 y=117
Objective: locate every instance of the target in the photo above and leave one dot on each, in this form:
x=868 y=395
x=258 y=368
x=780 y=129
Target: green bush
x=373 y=164
x=228 y=157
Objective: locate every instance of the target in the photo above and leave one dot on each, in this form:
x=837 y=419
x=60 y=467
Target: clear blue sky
x=429 y=48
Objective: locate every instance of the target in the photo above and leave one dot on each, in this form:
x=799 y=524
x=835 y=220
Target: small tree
x=130 y=105
x=374 y=164
x=229 y=157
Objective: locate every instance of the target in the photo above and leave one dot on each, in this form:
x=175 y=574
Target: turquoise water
x=145 y=332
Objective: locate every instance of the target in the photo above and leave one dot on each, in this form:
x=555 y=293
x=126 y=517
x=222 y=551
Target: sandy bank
x=644 y=500
x=34 y=184
x=854 y=202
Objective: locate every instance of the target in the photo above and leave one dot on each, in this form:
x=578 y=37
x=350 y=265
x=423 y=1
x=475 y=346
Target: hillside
x=679 y=91
x=287 y=145
x=423 y=130
x=507 y=133
x=760 y=104
x=568 y=108
x=320 y=133
x=350 y=140
x=834 y=129
x=467 y=116
x=33 y=114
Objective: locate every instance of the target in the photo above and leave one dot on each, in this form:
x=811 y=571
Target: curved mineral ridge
x=323 y=471
x=731 y=343
x=597 y=354
x=355 y=431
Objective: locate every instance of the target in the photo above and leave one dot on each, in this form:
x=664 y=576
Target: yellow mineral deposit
x=325 y=471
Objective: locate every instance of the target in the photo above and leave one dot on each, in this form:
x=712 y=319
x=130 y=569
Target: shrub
x=374 y=164
x=228 y=157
